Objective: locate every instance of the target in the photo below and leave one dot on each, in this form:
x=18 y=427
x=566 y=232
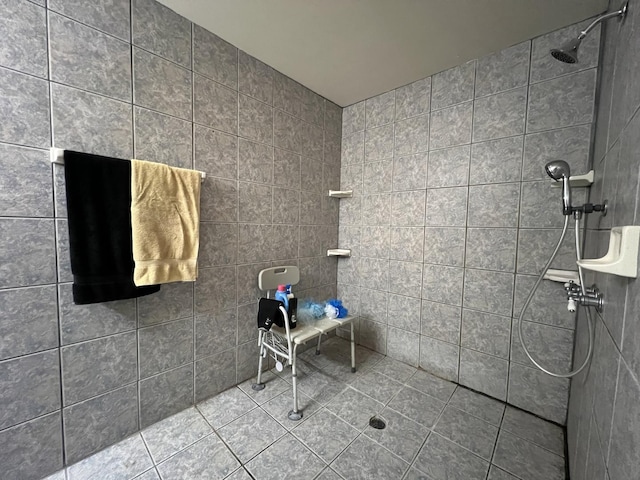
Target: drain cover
x=376 y=422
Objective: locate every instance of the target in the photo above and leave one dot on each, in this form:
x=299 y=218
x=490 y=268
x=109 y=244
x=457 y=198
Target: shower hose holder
x=591 y=298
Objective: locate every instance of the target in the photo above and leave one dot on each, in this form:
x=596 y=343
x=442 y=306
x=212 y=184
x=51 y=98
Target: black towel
x=99 y=211
x=269 y=314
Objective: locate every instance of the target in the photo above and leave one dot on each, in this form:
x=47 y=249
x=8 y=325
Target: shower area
x=463 y=225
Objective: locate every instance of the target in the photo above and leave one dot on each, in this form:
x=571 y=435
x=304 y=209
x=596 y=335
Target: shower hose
x=533 y=291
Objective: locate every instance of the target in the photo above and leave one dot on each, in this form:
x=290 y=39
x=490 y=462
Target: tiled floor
x=434 y=431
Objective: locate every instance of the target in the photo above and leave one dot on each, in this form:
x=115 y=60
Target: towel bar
x=56 y=155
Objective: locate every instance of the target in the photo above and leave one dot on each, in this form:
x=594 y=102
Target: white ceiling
x=349 y=50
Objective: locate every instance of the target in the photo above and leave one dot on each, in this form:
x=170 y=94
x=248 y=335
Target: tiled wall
x=133 y=79
x=604 y=411
x=453 y=217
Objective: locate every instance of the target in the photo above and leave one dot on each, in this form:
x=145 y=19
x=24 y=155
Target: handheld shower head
x=559 y=170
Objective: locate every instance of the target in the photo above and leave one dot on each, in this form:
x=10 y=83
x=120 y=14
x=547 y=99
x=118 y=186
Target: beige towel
x=165 y=217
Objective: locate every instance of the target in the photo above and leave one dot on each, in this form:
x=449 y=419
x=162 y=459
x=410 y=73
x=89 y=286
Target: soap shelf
x=338 y=252
x=341 y=193
x=622 y=257
x=584 y=180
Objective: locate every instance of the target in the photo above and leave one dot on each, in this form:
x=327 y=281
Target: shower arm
x=601 y=18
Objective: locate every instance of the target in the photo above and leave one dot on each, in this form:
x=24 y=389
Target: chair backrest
x=270 y=278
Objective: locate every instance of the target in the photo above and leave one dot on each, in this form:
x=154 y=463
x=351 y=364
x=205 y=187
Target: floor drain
x=376 y=422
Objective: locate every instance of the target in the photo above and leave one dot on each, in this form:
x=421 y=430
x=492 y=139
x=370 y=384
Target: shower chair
x=282 y=343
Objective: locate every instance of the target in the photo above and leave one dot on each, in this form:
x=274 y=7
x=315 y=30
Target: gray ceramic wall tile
x=446 y=207
x=312 y=141
x=255 y=78
x=217 y=373
x=404 y=312
x=166 y=346
x=255 y=163
x=215 y=105
x=114 y=415
x=484 y=373
x=444 y=246
x=91 y=123
x=160 y=30
x=535 y=247
x=491 y=248
x=352 y=178
x=374 y=242
x=111 y=16
x=286 y=132
x=478 y=405
x=378 y=143
x=353 y=148
x=408 y=208
x=97 y=366
x=161 y=85
x=439 y=358
x=542 y=204
x=496 y=161
x=405 y=278
x=377 y=270
x=570 y=144
x=453 y=86
x=375 y=309
x=410 y=172
x=353 y=118
x=24 y=27
x=215 y=153
x=406 y=244
x=218 y=244
x=488 y=291
x=28 y=321
x=32 y=449
x=624 y=433
x=311 y=174
x=548 y=305
x=412 y=135
x=544 y=66
x=441 y=321
x=27 y=252
x=449 y=167
x=62 y=246
x=553 y=393
x=85 y=58
x=376 y=209
x=503 y=70
x=287 y=169
x=25 y=106
x=379 y=110
x=287 y=94
x=30 y=387
x=86 y=322
x=451 y=126
x=442 y=284
x=403 y=346
x=286 y=205
x=561 y=102
x=172 y=302
x=486 y=333
x=552 y=346
x=220 y=280
x=214 y=57
x=413 y=99
x=165 y=394
x=255 y=120
x=245 y=331
x=161 y=138
x=255 y=203
x=25 y=182
x=500 y=115
x=483 y=200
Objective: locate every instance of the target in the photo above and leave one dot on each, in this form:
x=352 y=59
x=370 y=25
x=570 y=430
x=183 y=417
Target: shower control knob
x=571 y=305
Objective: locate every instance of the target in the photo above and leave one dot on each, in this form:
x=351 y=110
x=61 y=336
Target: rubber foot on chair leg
x=295 y=416
x=258 y=386
x=317 y=352
x=353 y=369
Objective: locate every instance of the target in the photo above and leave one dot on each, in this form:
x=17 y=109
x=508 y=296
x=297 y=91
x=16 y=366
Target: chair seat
x=308 y=331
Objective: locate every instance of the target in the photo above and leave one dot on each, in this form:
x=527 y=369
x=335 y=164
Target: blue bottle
x=281 y=294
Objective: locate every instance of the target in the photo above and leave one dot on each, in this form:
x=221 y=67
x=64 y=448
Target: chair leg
x=318 y=347
x=294 y=414
x=353 y=349
x=259 y=385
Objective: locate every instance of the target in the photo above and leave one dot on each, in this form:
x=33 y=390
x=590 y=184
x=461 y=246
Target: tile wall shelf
x=622 y=257
x=341 y=193
x=339 y=252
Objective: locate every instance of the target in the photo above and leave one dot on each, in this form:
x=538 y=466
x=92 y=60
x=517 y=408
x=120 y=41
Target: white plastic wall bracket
x=585 y=180
x=339 y=252
x=622 y=257
x=341 y=193
x=562 y=276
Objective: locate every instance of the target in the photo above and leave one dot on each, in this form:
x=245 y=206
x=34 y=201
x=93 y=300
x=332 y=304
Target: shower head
x=568 y=52
x=559 y=170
